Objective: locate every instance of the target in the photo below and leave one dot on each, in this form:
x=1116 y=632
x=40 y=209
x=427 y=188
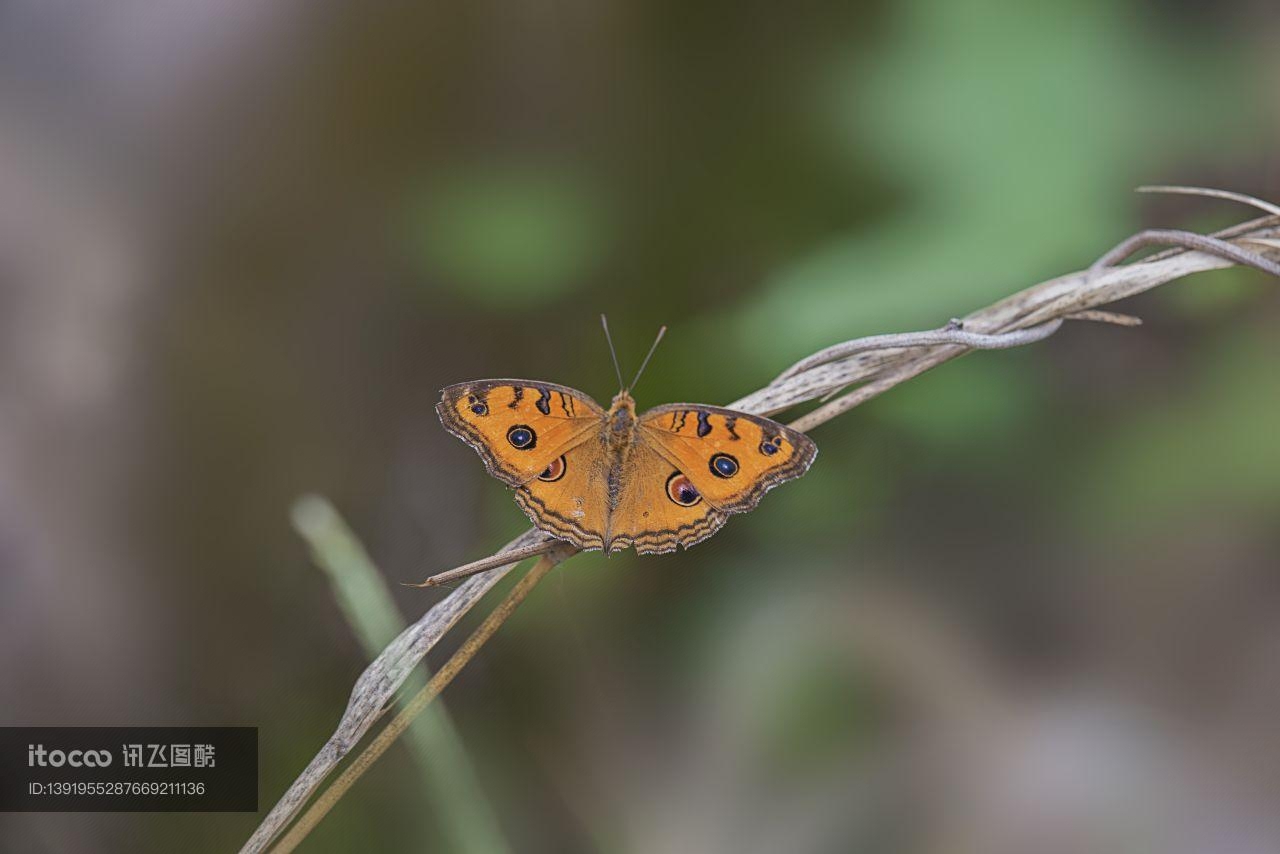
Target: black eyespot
x=724 y=465
x=479 y=409
x=522 y=437
x=767 y=448
x=681 y=491
x=553 y=472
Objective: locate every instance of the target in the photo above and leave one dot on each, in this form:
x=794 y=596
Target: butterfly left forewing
x=731 y=458
x=518 y=427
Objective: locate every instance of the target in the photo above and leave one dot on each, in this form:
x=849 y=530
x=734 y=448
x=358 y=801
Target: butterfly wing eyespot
x=724 y=465
x=682 y=491
x=555 y=471
x=522 y=437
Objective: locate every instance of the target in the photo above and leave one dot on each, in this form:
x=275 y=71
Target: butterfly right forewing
x=731 y=457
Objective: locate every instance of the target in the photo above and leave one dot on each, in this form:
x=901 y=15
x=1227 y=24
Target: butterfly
x=608 y=479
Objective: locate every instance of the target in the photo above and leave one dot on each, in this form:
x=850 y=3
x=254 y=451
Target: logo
x=37 y=756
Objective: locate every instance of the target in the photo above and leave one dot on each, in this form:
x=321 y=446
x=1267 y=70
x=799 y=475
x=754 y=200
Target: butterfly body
x=609 y=479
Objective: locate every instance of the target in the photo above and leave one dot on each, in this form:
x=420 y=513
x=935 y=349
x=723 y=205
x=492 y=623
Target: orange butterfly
x=611 y=479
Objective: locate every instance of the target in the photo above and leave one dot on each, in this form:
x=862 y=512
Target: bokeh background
x=1028 y=602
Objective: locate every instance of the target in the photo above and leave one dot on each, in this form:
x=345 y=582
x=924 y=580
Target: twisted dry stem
x=429 y=692
x=870 y=367
x=373 y=691
x=508 y=556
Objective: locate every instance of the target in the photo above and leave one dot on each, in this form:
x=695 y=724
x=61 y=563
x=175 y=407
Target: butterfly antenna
x=645 y=363
x=612 y=352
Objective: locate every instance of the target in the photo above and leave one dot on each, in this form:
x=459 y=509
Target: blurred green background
x=1029 y=599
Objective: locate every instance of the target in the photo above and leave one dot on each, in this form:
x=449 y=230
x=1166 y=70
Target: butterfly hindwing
x=657 y=507
x=519 y=427
x=730 y=457
x=569 y=500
